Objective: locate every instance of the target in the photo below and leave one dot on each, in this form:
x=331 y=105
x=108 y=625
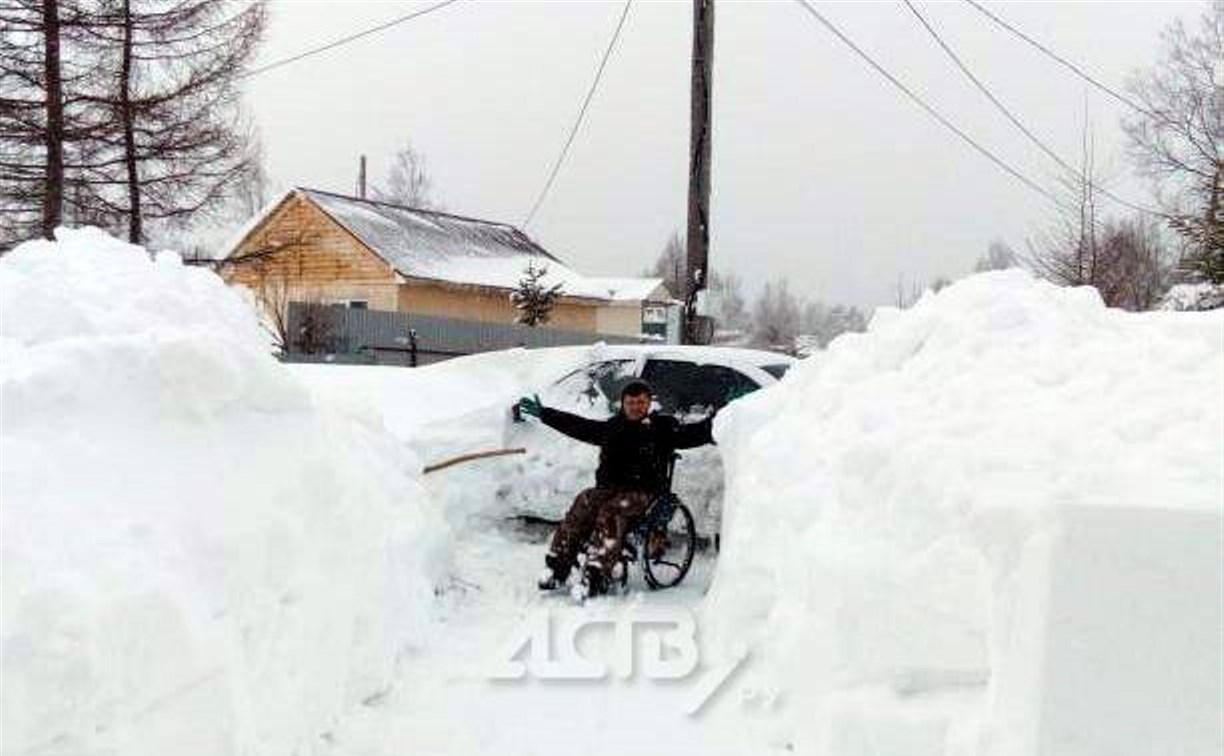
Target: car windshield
x=591 y=389
x=778 y=370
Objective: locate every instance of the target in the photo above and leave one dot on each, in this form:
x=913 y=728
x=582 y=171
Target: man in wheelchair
x=635 y=453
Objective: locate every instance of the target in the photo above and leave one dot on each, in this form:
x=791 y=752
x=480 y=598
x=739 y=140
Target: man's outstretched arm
x=575 y=426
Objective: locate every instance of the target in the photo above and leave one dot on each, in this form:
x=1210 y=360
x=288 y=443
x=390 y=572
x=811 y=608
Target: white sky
x=822 y=173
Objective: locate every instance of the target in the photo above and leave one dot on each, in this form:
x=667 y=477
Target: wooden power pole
x=695 y=329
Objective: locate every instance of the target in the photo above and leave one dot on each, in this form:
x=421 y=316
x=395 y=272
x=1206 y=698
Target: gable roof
x=448 y=248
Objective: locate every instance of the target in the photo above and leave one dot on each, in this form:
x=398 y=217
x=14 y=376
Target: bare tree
x=905 y=295
x=177 y=146
x=821 y=323
x=1135 y=266
x=268 y=270
x=314 y=331
x=671 y=264
x=1068 y=253
x=1125 y=260
x=776 y=317
x=724 y=300
x=998 y=256
x=121 y=111
x=408 y=182
x=42 y=124
x=1176 y=139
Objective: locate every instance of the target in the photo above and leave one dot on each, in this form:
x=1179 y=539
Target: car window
x=684 y=388
x=591 y=387
x=777 y=371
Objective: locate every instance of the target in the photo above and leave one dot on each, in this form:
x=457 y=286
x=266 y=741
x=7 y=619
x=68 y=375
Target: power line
x=1060 y=59
x=1015 y=120
x=345 y=40
x=928 y=108
x=985 y=90
x=586 y=102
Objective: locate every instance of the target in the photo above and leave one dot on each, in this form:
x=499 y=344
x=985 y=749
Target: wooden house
x=318 y=246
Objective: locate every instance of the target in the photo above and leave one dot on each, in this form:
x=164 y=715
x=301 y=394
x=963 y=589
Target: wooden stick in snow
x=471 y=456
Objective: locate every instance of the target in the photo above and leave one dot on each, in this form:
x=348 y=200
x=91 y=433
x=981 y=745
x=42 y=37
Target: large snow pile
x=991 y=524
x=198 y=556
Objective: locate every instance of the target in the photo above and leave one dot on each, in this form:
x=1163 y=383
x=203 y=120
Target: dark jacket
x=632 y=455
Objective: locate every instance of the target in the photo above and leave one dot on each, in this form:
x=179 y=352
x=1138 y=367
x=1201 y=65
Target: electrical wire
x=1060 y=59
x=1011 y=116
x=345 y=40
x=586 y=102
x=999 y=162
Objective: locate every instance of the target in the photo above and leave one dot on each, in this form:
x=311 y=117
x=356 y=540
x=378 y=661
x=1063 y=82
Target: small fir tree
x=532 y=298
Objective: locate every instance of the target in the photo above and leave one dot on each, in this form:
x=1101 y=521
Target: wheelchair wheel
x=668 y=548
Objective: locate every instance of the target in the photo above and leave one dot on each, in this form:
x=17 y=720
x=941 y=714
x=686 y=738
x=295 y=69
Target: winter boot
x=554 y=574
x=593 y=576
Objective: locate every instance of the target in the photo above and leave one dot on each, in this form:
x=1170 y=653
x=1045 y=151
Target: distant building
x=322 y=247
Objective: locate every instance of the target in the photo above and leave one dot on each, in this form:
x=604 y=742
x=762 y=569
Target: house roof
x=438 y=246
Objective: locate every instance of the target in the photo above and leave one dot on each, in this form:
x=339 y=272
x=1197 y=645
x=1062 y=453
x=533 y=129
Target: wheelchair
x=663 y=542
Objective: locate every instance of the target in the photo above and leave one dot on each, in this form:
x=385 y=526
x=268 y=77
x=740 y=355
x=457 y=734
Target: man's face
x=635 y=406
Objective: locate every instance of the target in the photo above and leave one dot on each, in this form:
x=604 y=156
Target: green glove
x=530 y=405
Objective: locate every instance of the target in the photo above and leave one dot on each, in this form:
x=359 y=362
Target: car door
x=688 y=388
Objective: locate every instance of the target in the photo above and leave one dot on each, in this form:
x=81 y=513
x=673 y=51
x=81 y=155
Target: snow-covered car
x=686 y=380
x=689 y=382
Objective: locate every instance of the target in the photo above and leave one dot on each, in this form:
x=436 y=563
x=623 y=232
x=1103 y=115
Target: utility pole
x=700 y=135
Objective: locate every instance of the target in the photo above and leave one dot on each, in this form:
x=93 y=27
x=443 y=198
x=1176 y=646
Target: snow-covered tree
x=533 y=300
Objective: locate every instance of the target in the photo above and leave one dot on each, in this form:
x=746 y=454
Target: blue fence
x=334 y=333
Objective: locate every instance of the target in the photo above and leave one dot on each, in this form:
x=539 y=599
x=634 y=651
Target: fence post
x=412 y=347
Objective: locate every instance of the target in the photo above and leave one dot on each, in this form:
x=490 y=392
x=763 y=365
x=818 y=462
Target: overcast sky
x=822 y=173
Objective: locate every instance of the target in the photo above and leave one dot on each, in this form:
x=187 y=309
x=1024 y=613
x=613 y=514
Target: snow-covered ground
x=990 y=525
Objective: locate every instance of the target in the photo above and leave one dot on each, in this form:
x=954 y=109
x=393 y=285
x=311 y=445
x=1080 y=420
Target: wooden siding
x=300 y=245
x=485 y=305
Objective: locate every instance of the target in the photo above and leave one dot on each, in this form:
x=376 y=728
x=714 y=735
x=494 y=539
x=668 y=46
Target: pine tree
x=532 y=298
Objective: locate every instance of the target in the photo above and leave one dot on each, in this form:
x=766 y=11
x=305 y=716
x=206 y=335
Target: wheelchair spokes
x=668 y=545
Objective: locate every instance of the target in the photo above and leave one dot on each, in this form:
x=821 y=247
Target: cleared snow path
x=445 y=702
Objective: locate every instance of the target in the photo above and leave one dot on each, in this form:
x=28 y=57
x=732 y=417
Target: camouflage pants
x=598 y=521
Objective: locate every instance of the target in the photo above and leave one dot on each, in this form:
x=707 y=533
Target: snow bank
x=198 y=556
x=1196 y=296
x=990 y=524
x=463 y=405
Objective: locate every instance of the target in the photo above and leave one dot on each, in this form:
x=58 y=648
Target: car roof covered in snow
x=454 y=249
x=725 y=355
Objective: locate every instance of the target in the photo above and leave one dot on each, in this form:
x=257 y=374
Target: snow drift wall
x=990 y=524
x=197 y=557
